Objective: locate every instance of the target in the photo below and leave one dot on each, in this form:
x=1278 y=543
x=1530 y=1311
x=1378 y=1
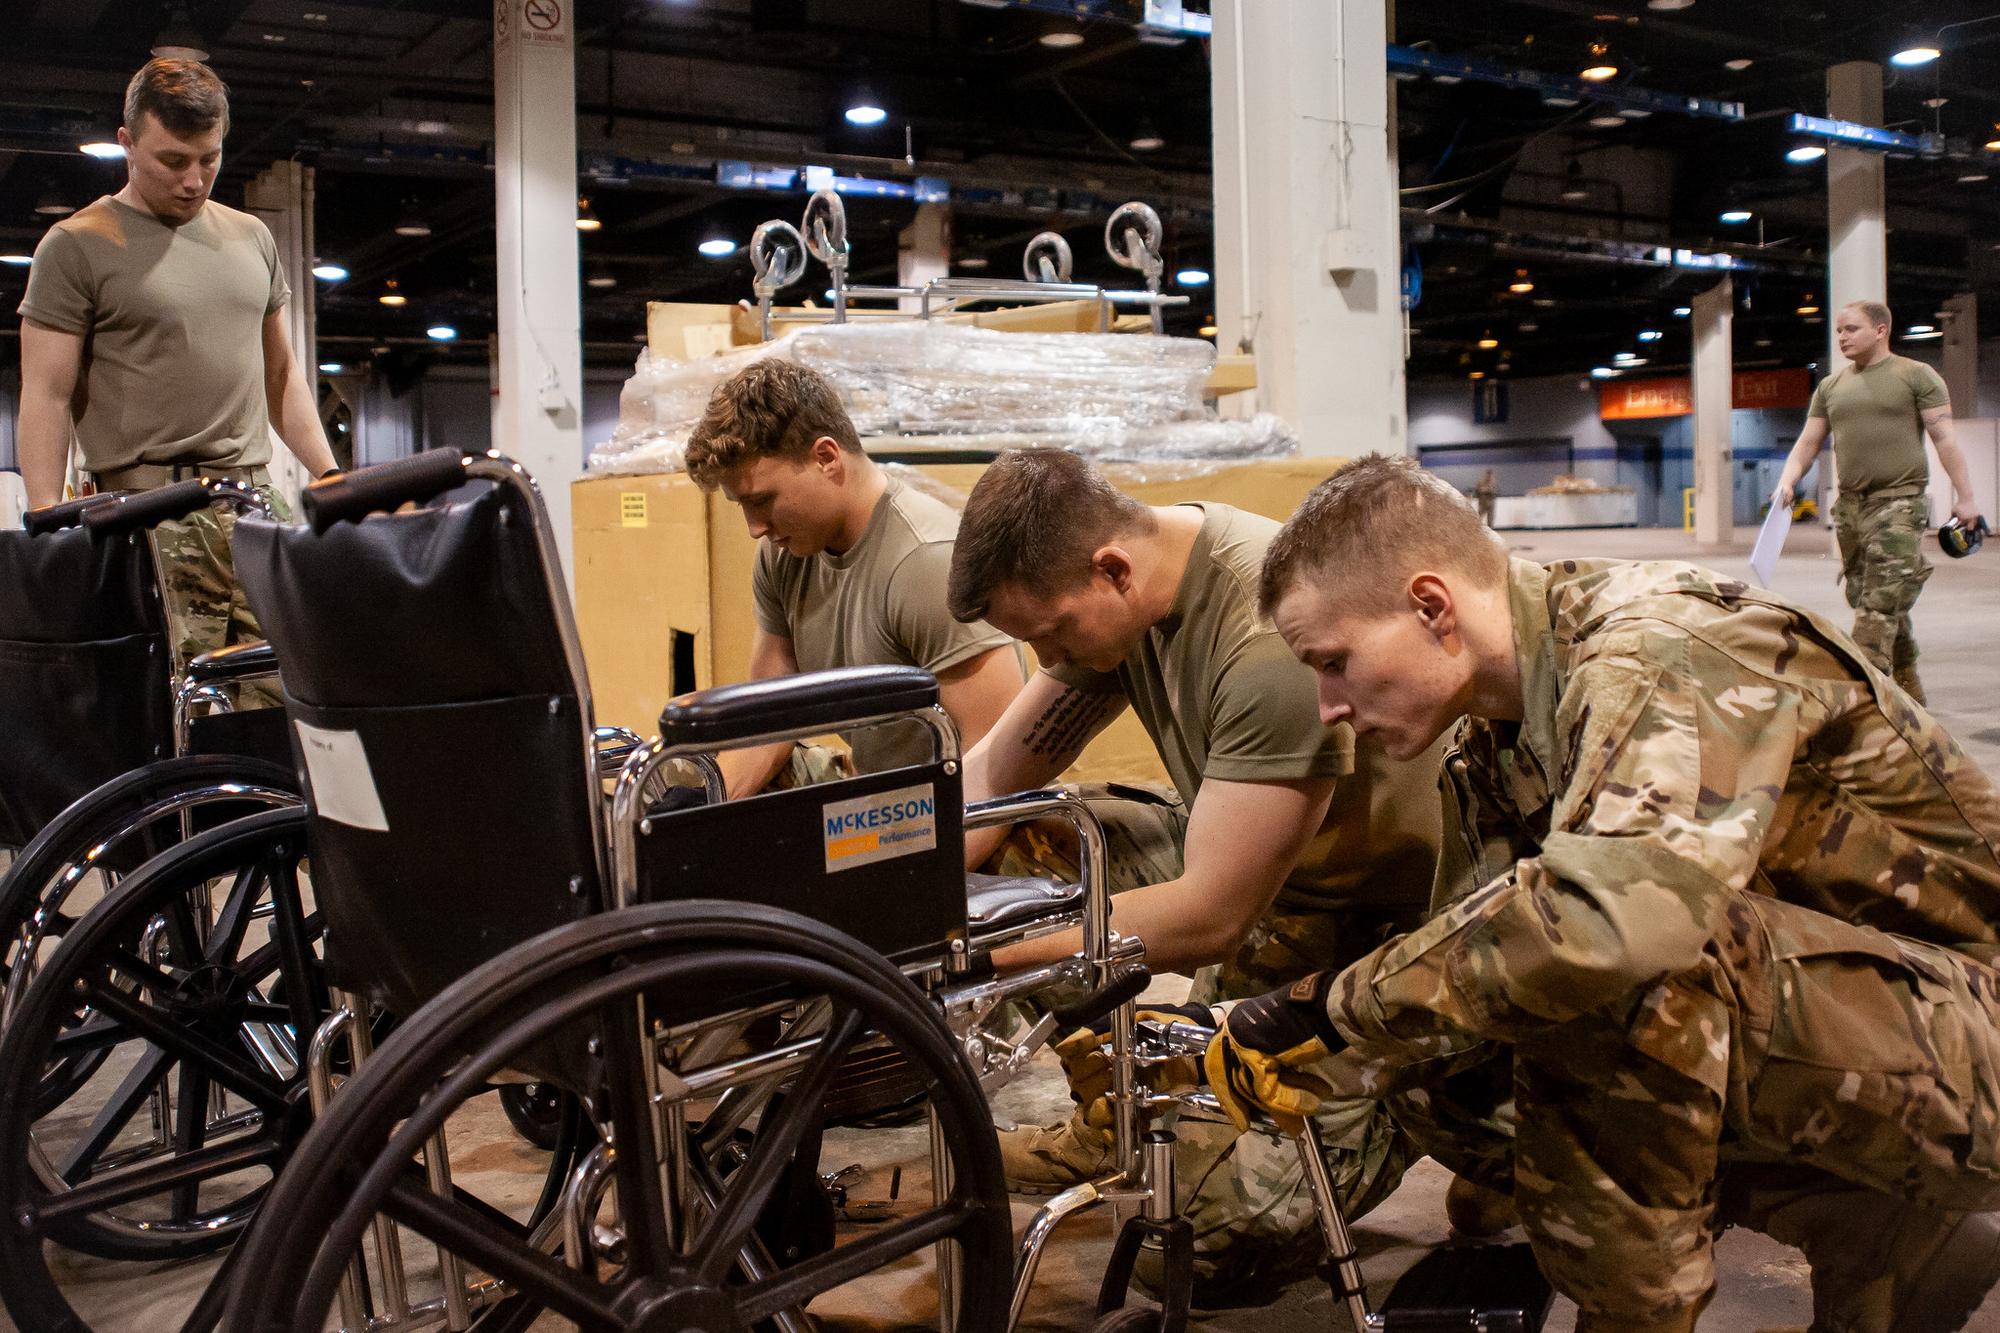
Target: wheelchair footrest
x=1494 y=1288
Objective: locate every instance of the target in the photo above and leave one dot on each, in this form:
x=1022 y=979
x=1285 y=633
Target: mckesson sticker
x=880 y=827
x=343 y=788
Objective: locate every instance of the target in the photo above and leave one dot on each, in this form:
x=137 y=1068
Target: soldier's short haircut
x=1034 y=520
x=1872 y=311
x=185 y=96
x=771 y=408
x=1361 y=534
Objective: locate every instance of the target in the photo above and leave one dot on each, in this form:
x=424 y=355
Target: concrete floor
x=1762 y=1283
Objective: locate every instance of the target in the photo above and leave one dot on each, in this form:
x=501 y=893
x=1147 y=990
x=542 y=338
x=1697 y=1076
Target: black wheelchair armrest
x=56 y=517
x=238 y=661
x=820 y=699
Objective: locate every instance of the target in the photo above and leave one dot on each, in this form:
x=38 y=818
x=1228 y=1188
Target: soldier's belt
x=147 y=476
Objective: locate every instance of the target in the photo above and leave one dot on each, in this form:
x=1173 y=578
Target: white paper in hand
x=1770 y=543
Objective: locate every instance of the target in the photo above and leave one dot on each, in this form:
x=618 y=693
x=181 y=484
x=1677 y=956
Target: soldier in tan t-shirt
x=850 y=566
x=1878 y=410
x=1299 y=850
x=153 y=332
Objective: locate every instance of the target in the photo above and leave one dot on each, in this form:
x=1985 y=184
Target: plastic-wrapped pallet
x=1123 y=397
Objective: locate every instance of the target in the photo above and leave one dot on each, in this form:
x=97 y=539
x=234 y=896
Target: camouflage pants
x=1246 y=1194
x=1882 y=569
x=205 y=607
x=1830 y=1085
x=1143 y=832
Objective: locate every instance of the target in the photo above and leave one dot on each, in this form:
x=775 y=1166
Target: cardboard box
x=663 y=584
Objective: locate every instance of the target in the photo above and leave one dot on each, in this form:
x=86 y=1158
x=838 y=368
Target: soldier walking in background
x=1878 y=409
x=1487 y=492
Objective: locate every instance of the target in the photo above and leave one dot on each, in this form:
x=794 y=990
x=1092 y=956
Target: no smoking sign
x=543 y=21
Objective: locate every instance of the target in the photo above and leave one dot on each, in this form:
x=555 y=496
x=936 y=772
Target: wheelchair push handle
x=412 y=480
x=134 y=510
x=68 y=514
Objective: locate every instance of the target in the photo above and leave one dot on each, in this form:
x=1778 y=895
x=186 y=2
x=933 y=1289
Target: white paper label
x=343 y=788
x=880 y=827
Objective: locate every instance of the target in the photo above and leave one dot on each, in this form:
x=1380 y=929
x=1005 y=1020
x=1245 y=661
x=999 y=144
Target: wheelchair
x=111 y=756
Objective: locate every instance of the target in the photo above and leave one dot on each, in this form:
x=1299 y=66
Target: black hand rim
x=320 y=1208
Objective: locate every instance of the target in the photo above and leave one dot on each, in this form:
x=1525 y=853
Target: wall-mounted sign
x=1635 y=400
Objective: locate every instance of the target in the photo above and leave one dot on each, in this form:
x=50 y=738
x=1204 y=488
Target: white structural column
x=538 y=417
x=282 y=196
x=923 y=250
x=1961 y=353
x=1307 y=242
x=1713 y=393
x=1857 y=265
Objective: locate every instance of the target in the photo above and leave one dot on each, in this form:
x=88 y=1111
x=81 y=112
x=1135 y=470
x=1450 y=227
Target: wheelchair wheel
x=580 y=983
x=113 y=829
x=535 y=1110
x=198 y=1091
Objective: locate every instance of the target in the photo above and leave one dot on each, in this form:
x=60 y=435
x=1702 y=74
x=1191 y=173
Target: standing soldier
x=1717 y=913
x=153 y=327
x=1878 y=410
x=1487 y=493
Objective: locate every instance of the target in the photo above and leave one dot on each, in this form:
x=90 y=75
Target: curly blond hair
x=772 y=408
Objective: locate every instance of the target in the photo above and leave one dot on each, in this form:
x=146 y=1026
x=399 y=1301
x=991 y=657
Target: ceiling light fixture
x=1733 y=216
x=1972 y=177
x=1605 y=122
x=391 y=296
x=1208 y=330
x=1805 y=152
x=1529 y=326
x=18 y=261
x=1574 y=188
x=1807 y=310
x=1061 y=38
x=1683 y=311
x=973 y=261
x=331 y=367
x=101 y=149
x=586 y=219
x=716 y=247
x=412 y=224
x=1488 y=343
x=53 y=205
x=1670 y=4
x=329 y=273
x=1739 y=64
x=1520 y=286
x=1921 y=53
x=1650 y=335
x=1146 y=140
x=443 y=333
x=1603 y=373
x=179 y=40
x=601 y=279
x=1192 y=277
x=864 y=110
x=1599 y=66
x=1477 y=375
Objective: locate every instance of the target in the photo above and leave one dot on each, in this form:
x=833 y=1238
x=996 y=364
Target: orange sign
x=1631 y=400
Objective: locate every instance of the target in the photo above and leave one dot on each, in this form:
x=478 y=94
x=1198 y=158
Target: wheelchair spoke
x=290 y=948
x=777 y=1142
x=92 y=1036
x=160 y=1177
x=190 y=1131
x=111 y=1118
x=844 y=1263
x=162 y=1030
x=226 y=936
x=184 y=934
x=472 y=1235
x=146 y=974
x=637 y=1165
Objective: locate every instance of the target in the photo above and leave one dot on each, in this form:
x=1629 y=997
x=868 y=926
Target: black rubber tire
x=535 y=1110
x=355 y=1162
x=1128 y=1319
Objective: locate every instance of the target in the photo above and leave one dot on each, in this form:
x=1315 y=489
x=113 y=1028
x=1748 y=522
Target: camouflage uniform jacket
x=1685 y=737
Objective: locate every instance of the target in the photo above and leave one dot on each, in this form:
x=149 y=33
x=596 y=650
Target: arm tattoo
x=1066 y=725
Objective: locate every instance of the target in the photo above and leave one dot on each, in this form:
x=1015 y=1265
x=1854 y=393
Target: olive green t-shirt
x=1874 y=417
x=1222 y=697
x=172 y=321
x=879 y=603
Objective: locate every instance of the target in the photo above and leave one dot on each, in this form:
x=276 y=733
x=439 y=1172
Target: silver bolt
x=950 y=767
x=576 y=886
x=555 y=704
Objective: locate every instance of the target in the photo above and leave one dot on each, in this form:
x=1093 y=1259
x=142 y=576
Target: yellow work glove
x=1088 y=1065
x=1258 y=1057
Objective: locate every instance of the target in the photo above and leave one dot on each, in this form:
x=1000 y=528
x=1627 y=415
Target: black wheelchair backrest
x=442 y=724
x=84 y=665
